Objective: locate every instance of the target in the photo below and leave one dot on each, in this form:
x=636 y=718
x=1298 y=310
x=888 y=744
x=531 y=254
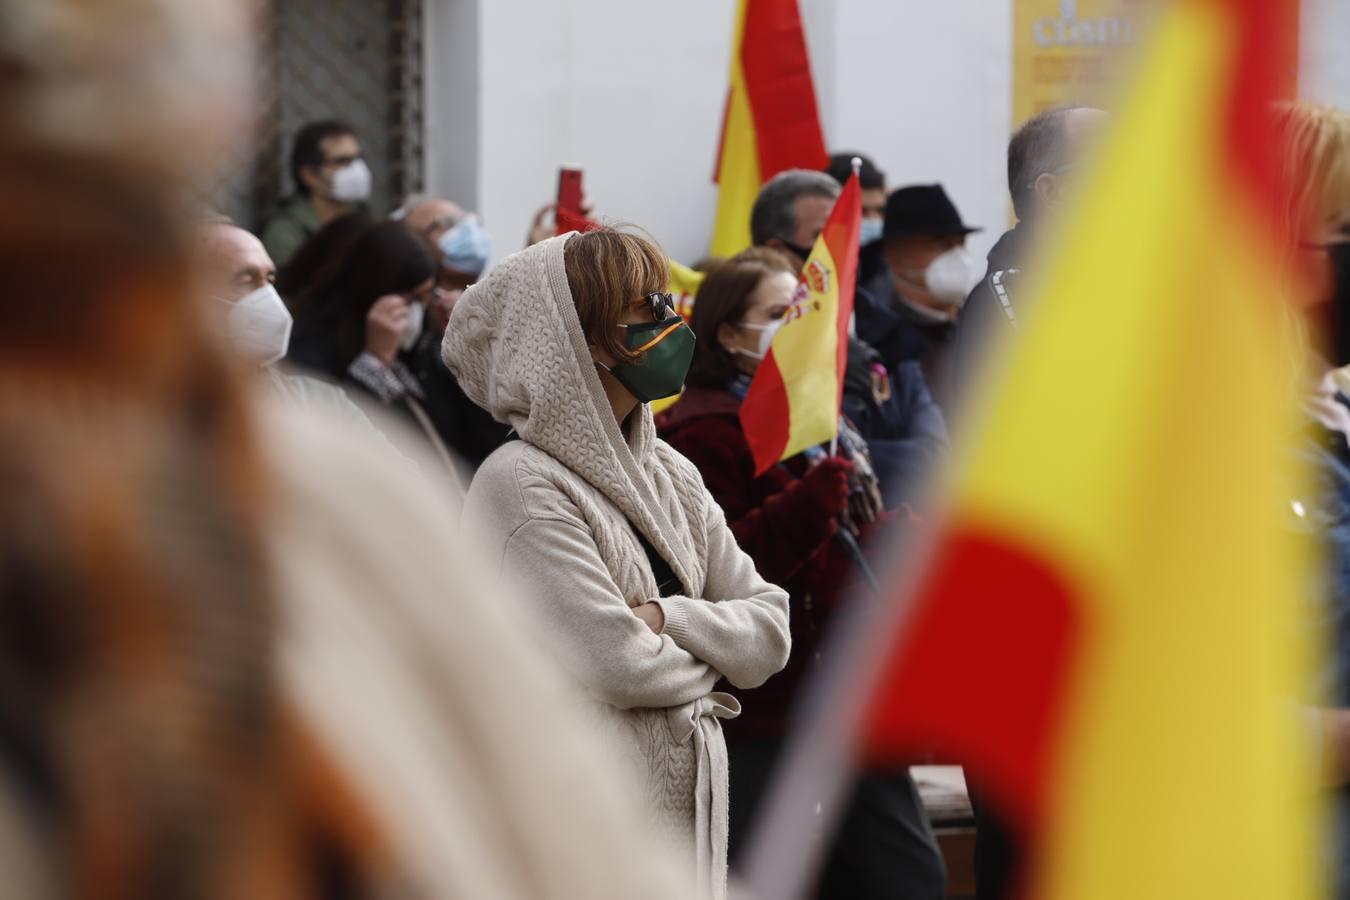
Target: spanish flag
x=683 y=287
x=1105 y=633
x=794 y=399
x=770 y=122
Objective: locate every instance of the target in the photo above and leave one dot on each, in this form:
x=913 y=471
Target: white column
x=451 y=45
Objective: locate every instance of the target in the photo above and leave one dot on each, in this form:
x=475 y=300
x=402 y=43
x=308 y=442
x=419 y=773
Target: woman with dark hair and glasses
x=628 y=560
x=360 y=318
x=792 y=520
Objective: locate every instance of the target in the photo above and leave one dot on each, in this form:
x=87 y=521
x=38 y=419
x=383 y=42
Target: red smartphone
x=569 y=190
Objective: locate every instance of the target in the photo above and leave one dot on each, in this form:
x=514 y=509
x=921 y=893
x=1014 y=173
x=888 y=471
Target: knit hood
x=516 y=346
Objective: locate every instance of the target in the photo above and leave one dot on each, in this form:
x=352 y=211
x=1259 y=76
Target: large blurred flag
x=770 y=122
x=1105 y=631
x=794 y=399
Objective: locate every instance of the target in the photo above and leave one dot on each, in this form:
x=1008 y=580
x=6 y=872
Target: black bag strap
x=667 y=582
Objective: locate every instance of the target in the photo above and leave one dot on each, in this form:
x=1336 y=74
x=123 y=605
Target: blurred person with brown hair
x=148 y=748
x=1314 y=143
x=627 y=558
x=331 y=179
x=788 y=519
x=220 y=677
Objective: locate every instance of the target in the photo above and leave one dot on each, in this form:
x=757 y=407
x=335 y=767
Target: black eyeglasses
x=661 y=305
x=341 y=162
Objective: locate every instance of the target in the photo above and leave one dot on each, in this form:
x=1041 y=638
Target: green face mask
x=667 y=349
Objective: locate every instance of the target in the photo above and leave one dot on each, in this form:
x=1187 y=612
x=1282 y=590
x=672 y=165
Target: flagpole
x=856 y=162
x=809 y=791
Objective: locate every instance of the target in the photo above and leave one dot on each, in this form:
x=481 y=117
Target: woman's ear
x=728 y=337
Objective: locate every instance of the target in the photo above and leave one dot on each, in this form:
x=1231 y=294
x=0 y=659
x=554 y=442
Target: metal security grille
x=359 y=61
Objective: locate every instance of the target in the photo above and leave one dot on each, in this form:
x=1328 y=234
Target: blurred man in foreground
x=242 y=652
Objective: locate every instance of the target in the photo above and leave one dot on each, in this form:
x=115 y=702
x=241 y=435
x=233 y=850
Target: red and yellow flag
x=771 y=122
x=684 y=285
x=1106 y=630
x=1106 y=634
x=794 y=399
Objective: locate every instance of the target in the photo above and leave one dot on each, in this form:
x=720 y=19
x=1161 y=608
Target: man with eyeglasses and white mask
x=457 y=240
x=461 y=247
x=331 y=179
x=910 y=310
x=236 y=274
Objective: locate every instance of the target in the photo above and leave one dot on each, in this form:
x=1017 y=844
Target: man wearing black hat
x=912 y=305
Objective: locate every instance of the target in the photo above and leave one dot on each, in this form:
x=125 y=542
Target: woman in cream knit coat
x=628 y=562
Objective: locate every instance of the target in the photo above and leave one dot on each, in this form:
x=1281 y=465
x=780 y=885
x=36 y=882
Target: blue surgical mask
x=870 y=232
x=466 y=247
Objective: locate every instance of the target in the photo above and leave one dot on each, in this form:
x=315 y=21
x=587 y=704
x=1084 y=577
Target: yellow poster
x=1078 y=51
x=1073 y=51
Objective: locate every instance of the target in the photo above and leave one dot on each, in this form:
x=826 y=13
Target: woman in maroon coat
x=788 y=520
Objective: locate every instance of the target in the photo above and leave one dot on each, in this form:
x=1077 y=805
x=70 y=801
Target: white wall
x=925 y=88
x=1324 y=73
x=632 y=91
x=453 y=88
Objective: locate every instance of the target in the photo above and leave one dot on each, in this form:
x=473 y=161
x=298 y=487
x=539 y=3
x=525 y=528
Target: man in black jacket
x=1041 y=158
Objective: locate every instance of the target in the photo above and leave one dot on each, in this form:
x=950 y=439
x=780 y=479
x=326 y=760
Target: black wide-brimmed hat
x=922 y=209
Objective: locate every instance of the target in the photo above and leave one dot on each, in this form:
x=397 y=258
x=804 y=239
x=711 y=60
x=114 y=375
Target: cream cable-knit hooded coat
x=558 y=504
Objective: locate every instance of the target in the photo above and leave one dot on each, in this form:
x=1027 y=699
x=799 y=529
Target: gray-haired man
x=1041 y=158
x=791 y=211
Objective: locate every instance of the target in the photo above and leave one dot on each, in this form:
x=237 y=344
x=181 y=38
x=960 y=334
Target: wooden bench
x=943 y=790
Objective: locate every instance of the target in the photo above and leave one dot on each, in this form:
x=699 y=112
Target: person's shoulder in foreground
x=391 y=623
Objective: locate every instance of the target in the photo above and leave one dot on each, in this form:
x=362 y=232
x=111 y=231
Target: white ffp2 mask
x=952 y=276
x=413 y=330
x=260 y=326
x=766 y=333
x=353 y=182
